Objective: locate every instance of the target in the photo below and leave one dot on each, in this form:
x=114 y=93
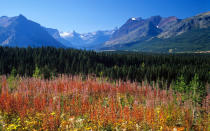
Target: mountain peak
x=4 y=21
x=74 y=32
x=155 y=17
x=21 y=17
x=172 y=17
x=21 y=32
x=205 y=13
x=3 y=17
x=133 y=19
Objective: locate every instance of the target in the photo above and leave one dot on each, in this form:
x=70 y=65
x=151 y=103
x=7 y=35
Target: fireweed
x=71 y=103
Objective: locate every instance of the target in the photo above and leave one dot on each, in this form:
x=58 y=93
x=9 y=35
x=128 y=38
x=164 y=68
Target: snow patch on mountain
x=133 y=18
x=89 y=40
x=66 y=34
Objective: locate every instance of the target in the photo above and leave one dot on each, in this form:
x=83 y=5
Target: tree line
x=113 y=65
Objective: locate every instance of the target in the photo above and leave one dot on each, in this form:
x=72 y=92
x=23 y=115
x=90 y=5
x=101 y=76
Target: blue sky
x=91 y=15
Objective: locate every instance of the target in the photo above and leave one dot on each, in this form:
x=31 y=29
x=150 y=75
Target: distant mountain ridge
x=90 y=40
x=200 y=21
x=158 y=34
x=154 y=34
x=136 y=29
x=21 y=32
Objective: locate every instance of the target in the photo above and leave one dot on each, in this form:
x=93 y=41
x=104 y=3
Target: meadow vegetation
x=93 y=103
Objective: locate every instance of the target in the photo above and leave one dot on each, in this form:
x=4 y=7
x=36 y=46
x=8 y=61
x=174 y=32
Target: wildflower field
x=74 y=103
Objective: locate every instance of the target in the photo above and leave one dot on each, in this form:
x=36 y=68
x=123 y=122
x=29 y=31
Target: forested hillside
x=122 y=65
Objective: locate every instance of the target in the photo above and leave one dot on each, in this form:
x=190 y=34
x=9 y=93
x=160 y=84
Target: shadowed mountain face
x=21 y=32
x=158 y=34
x=56 y=35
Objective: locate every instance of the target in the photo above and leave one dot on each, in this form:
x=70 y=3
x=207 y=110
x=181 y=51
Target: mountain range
x=154 y=34
x=90 y=40
x=158 y=34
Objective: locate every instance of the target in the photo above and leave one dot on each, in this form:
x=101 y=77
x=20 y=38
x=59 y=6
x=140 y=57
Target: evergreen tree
x=37 y=72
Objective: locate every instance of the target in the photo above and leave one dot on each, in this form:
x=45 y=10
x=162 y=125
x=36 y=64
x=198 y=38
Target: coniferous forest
x=114 y=65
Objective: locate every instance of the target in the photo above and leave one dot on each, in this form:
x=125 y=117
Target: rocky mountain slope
x=21 y=32
x=56 y=35
x=136 y=29
x=158 y=34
